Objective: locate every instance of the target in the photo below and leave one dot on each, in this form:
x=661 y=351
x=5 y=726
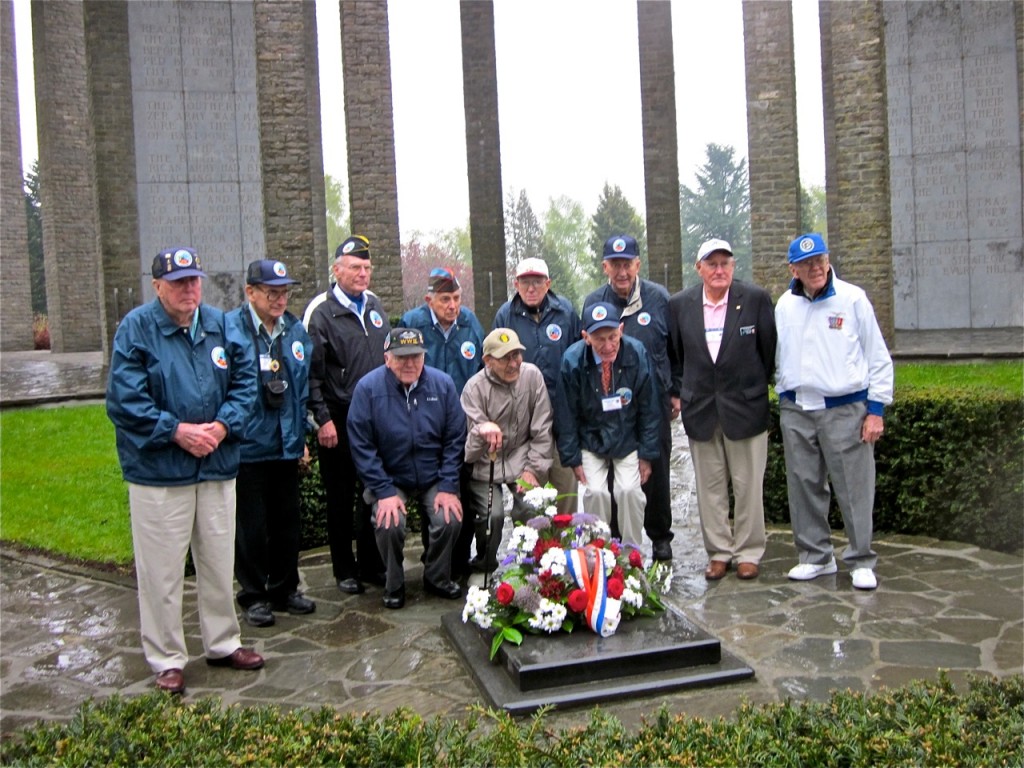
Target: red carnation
x=562 y=521
x=577 y=601
x=599 y=543
x=615 y=587
x=505 y=593
x=542 y=546
x=617 y=573
x=615 y=548
x=636 y=559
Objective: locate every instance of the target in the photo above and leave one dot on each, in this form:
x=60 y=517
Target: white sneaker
x=807 y=571
x=864 y=578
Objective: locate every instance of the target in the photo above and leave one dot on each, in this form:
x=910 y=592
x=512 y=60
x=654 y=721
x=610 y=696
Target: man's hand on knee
x=448 y=504
x=389 y=511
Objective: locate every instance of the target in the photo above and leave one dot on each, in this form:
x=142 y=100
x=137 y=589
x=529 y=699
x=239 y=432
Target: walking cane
x=487 y=534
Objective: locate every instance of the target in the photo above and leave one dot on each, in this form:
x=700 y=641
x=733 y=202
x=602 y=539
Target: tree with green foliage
x=33 y=211
x=615 y=215
x=718 y=207
x=566 y=249
x=813 y=210
x=523 y=234
x=338 y=223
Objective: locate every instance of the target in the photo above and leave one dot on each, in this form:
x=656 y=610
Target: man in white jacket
x=834 y=377
x=508 y=418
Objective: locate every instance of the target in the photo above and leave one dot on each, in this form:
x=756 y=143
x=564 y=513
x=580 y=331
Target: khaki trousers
x=629 y=495
x=166 y=521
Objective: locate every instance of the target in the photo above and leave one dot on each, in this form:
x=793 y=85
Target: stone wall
x=661 y=154
x=370 y=140
x=772 y=138
x=15 y=282
x=483 y=158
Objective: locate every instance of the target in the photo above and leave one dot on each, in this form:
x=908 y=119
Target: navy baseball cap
x=268 y=272
x=357 y=246
x=621 y=247
x=600 y=315
x=806 y=246
x=177 y=263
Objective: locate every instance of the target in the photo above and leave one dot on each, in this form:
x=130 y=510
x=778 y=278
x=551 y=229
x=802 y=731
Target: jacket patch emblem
x=468 y=350
x=298 y=351
x=625 y=395
x=554 y=332
x=748 y=330
x=644 y=318
x=219 y=358
x=835 y=322
x=376 y=319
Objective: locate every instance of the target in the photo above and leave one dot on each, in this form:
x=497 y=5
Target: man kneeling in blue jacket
x=407 y=430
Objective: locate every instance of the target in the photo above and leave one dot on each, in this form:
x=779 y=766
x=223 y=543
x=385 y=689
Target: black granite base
x=644 y=657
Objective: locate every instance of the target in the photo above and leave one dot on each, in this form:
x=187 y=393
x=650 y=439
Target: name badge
x=611 y=403
x=714 y=335
x=265 y=362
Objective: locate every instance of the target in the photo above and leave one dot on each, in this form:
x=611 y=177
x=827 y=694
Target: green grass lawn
x=1005 y=376
x=60 y=484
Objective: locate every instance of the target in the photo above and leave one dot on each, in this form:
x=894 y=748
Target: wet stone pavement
x=68 y=633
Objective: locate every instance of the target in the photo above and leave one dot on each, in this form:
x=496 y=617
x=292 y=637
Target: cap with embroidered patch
x=711 y=246
x=600 y=315
x=532 y=266
x=443 y=280
x=621 y=247
x=405 y=341
x=177 y=263
x=268 y=272
x=357 y=246
x=500 y=342
x=806 y=246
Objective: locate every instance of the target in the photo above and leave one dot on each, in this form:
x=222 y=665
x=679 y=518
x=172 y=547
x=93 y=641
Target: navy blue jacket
x=546 y=340
x=649 y=325
x=408 y=442
x=277 y=433
x=461 y=354
x=582 y=422
x=160 y=377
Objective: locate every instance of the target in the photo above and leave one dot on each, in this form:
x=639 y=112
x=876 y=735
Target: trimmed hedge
x=950 y=465
x=922 y=723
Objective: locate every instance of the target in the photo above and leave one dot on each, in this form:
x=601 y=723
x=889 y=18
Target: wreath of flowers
x=562 y=570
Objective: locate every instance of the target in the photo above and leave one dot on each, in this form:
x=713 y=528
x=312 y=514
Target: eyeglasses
x=723 y=266
x=359 y=268
x=275 y=295
x=531 y=282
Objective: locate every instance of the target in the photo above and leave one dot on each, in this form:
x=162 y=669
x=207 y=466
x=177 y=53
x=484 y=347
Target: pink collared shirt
x=714 y=322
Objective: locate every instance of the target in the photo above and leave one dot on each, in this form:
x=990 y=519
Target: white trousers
x=629 y=496
x=166 y=521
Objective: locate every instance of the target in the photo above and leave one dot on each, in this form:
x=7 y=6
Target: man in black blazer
x=722 y=351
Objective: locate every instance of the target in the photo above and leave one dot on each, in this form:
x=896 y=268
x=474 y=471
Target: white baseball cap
x=532 y=266
x=710 y=246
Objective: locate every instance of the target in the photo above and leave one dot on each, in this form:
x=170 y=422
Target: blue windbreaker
x=461 y=354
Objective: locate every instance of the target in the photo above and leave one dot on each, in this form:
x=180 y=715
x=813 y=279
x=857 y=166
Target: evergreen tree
x=615 y=216
x=523 y=235
x=813 y=210
x=566 y=250
x=337 y=222
x=719 y=207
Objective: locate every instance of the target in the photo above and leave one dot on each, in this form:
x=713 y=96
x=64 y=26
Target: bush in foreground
x=923 y=723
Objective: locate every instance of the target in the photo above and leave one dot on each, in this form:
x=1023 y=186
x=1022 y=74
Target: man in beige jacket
x=508 y=418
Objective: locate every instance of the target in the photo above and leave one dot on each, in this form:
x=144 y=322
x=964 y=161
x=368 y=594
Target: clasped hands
x=199 y=439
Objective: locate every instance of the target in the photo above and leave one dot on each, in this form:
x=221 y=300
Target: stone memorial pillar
x=67 y=178
x=954 y=79
x=771 y=138
x=15 y=281
x=370 y=141
x=483 y=156
x=661 y=156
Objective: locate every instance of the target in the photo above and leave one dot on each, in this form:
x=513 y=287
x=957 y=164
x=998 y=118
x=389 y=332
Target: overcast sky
x=568 y=98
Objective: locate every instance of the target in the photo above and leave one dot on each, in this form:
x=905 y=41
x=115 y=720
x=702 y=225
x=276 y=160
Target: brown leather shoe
x=716 y=569
x=747 y=571
x=171 y=680
x=242 y=658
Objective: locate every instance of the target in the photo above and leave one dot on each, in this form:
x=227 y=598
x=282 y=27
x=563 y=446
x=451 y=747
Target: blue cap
x=600 y=315
x=268 y=272
x=177 y=263
x=357 y=246
x=806 y=246
x=620 y=247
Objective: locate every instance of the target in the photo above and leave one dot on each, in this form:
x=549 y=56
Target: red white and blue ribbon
x=591 y=579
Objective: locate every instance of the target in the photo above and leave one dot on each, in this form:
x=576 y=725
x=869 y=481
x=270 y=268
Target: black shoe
x=351 y=586
x=662 y=550
x=449 y=590
x=396 y=599
x=295 y=604
x=259 y=615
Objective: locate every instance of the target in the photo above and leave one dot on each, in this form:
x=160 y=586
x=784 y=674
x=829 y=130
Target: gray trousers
x=476 y=511
x=441 y=536
x=821 y=446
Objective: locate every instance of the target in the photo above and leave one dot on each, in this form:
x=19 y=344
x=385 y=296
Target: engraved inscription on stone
x=937 y=106
x=904 y=285
x=933 y=31
x=940 y=186
x=216 y=224
x=163 y=221
x=898 y=88
x=154 y=46
x=897 y=48
x=991 y=101
x=901 y=190
x=244 y=46
x=994 y=194
x=943 y=283
x=253 y=243
x=159 y=136
x=247 y=128
x=212 y=144
x=206 y=47
x=997 y=283
x=988 y=28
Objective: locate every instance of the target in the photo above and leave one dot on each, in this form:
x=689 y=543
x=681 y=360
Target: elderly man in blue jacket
x=180 y=391
x=267 y=528
x=407 y=432
x=608 y=418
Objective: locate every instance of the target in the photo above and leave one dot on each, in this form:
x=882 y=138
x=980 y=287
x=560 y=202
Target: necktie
x=606 y=375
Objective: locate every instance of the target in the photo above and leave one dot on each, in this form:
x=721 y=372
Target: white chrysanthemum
x=483 y=619
x=551 y=510
x=549 y=616
x=609 y=560
x=539 y=498
x=632 y=582
x=522 y=541
x=477 y=598
x=633 y=597
x=553 y=560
